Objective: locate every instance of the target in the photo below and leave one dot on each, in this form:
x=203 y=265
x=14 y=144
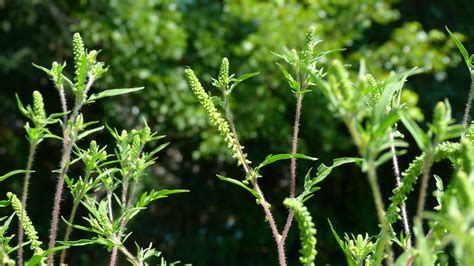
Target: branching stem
x=68 y=143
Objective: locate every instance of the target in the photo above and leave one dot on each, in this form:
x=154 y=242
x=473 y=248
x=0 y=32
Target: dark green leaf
x=284 y=156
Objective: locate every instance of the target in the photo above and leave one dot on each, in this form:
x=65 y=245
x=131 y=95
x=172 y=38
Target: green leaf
x=461 y=48
x=284 y=156
x=420 y=137
x=242 y=78
x=47 y=71
x=21 y=107
x=88 y=132
x=293 y=83
x=110 y=93
x=12 y=173
x=238 y=183
x=388 y=121
x=342 y=245
x=153 y=195
x=324 y=171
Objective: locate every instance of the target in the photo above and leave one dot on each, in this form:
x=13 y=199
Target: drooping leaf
x=238 y=183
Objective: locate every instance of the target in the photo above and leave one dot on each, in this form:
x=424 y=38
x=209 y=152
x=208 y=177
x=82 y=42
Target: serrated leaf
x=283 y=156
x=110 y=93
x=238 y=183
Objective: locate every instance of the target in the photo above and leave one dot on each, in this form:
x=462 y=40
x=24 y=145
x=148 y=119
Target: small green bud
x=224 y=72
x=146 y=133
x=38 y=106
x=308 y=44
x=441 y=120
x=79 y=122
x=78 y=51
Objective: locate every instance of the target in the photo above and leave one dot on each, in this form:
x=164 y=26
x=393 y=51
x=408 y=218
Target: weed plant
x=371 y=108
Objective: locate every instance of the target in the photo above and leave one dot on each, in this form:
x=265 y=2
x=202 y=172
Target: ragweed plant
x=371 y=111
x=104 y=174
x=299 y=83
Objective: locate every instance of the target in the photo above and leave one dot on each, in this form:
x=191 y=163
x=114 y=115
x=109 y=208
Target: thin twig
x=250 y=172
x=24 y=197
x=299 y=99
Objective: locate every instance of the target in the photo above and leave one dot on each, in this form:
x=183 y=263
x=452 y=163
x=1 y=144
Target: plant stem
x=24 y=196
x=59 y=191
x=372 y=176
x=113 y=256
x=396 y=171
x=424 y=185
x=250 y=172
x=68 y=143
x=68 y=230
x=469 y=102
x=299 y=99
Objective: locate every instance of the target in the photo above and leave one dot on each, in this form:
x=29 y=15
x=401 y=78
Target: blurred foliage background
x=150 y=42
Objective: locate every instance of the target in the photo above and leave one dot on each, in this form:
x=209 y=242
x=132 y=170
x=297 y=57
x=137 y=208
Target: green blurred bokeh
x=150 y=43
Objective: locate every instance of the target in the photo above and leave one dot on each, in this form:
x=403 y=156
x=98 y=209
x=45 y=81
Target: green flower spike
x=214 y=116
x=307 y=230
x=30 y=230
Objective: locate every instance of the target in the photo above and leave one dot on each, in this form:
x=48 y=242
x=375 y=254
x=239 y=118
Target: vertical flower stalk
x=35 y=136
x=227 y=129
x=306 y=56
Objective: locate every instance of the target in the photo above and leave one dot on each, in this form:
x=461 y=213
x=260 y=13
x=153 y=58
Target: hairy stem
x=113 y=256
x=424 y=185
x=57 y=198
x=250 y=172
x=396 y=171
x=468 y=103
x=372 y=176
x=24 y=196
x=294 y=149
x=68 y=143
x=68 y=230
x=75 y=205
